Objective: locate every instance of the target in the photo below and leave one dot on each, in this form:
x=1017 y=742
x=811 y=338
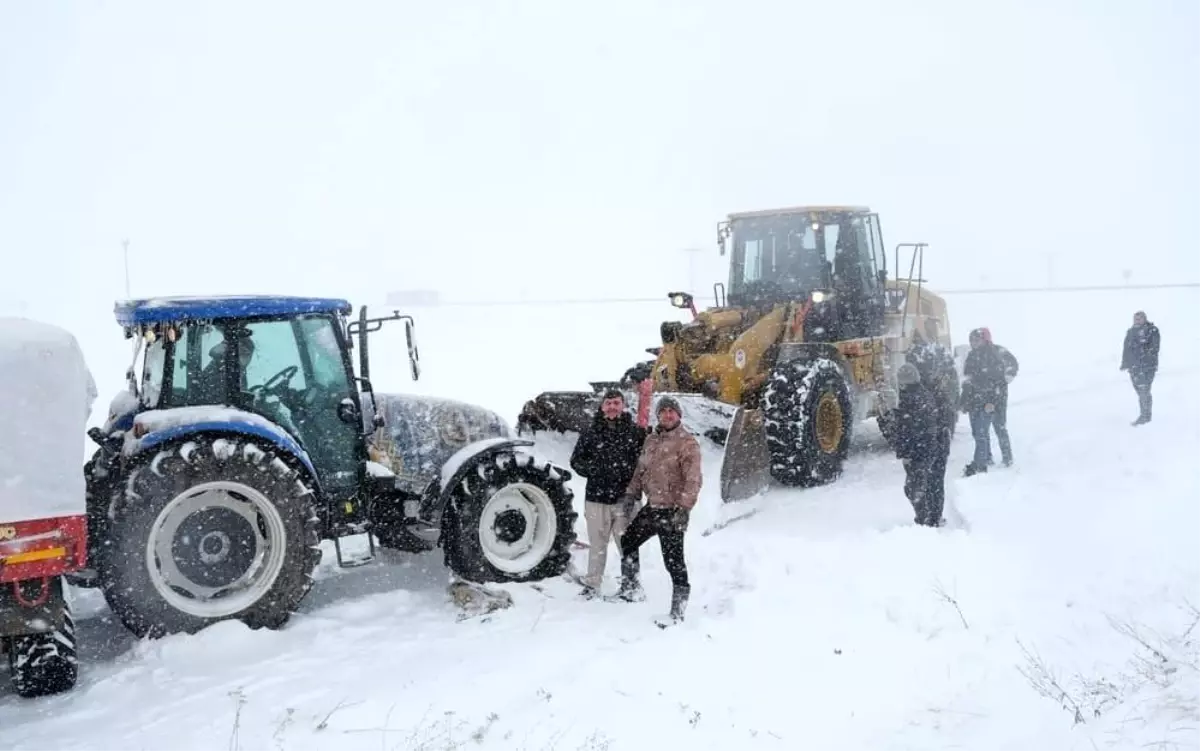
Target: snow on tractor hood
x=46 y=397
x=422 y=433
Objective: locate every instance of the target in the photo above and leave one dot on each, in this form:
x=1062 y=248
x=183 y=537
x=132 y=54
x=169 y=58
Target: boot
x=630 y=589
x=679 y=600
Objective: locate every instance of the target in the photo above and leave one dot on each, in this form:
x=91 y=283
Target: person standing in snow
x=606 y=455
x=984 y=389
x=1000 y=416
x=1140 y=357
x=939 y=375
x=921 y=445
x=668 y=472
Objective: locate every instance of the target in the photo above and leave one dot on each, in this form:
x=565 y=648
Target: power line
x=663 y=298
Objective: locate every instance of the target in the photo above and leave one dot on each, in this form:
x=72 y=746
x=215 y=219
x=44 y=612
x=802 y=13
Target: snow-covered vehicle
x=46 y=395
x=245 y=438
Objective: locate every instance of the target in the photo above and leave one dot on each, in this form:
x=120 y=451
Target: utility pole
x=125 y=245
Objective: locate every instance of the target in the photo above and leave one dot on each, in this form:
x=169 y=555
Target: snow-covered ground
x=1061 y=613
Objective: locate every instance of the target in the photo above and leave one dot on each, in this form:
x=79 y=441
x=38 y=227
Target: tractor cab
x=828 y=256
x=284 y=359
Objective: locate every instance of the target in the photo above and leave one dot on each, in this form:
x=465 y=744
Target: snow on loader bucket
x=45 y=403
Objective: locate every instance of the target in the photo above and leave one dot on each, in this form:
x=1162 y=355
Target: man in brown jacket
x=668 y=472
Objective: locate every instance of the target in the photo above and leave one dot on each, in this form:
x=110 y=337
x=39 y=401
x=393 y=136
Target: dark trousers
x=1000 y=425
x=925 y=482
x=982 y=423
x=1142 y=380
x=670 y=524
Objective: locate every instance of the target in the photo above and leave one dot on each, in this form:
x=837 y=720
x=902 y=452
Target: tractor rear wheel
x=510 y=519
x=808 y=420
x=206 y=530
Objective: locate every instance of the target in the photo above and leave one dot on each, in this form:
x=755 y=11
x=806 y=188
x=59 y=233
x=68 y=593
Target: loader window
x=774 y=253
x=753 y=267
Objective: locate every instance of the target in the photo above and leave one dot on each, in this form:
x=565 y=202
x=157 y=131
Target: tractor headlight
x=821 y=296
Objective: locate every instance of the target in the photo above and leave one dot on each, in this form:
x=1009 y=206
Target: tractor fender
x=262 y=430
x=438 y=492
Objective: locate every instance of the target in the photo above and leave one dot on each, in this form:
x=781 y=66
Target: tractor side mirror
x=414 y=356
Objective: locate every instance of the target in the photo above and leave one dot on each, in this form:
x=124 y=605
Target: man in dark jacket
x=1140 y=358
x=606 y=454
x=984 y=389
x=939 y=375
x=922 y=443
x=1000 y=416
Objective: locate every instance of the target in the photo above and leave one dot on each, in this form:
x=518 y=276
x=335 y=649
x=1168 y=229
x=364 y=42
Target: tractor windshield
x=291 y=371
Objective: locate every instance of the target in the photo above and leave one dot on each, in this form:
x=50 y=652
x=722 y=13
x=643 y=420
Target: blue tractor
x=245 y=438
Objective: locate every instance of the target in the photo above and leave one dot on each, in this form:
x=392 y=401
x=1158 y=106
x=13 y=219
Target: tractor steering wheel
x=276 y=382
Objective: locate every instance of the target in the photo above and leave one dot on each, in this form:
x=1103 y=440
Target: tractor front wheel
x=208 y=530
x=511 y=518
x=808 y=419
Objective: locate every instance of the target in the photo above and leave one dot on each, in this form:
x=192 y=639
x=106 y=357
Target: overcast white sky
x=563 y=149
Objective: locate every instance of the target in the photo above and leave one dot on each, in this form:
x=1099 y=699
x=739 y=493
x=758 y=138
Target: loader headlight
x=821 y=296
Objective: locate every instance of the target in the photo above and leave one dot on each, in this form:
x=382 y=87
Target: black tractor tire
x=479 y=517
x=808 y=420
x=44 y=664
x=259 y=500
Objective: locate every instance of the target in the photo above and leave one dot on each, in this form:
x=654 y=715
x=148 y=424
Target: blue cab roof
x=172 y=309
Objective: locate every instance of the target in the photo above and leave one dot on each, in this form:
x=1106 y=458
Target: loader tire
x=511 y=519
x=205 y=530
x=808 y=420
x=44 y=664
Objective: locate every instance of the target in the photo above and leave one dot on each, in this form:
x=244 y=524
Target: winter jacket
x=917 y=424
x=1140 y=353
x=668 y=471
x=938 y=374
x=1011 y=366
x=983 y=378
x=606 y=454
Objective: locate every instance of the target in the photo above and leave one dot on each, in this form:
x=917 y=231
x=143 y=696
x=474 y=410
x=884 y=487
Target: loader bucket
x=745 y=470
x=558 y=412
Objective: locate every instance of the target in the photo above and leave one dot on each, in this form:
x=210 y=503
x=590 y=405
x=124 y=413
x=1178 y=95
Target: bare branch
x=940 y=591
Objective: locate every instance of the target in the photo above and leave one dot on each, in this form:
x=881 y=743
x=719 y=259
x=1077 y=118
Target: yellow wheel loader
x=803 y=344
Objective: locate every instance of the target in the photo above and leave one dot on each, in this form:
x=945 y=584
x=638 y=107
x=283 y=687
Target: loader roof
x=164 y=309
x=802 y=210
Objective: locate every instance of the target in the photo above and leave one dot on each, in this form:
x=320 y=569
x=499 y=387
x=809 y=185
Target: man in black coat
x=984 y=389
x=606 y=454
x=1140 y=358
x=939 y=375
x=1000 y=415
x=919 y=443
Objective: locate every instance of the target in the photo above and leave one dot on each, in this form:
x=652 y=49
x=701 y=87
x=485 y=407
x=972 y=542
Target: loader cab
x=289 y=366
x=828 y=256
